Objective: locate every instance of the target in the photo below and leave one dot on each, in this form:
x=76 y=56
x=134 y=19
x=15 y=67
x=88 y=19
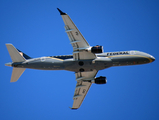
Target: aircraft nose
x=152 y=58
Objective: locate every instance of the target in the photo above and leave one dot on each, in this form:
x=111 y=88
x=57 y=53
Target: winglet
x=73 y=108
x=61 y=13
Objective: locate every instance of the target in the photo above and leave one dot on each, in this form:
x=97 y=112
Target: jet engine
x=100 y=80
x=97 y=49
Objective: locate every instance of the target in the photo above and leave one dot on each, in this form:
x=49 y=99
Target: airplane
x=86 y=61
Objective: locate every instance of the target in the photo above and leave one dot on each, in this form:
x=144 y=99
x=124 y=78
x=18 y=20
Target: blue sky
x=36 y=28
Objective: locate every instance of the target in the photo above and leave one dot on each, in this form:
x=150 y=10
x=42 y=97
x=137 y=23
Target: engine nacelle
x=100 y=80
x=97 y=49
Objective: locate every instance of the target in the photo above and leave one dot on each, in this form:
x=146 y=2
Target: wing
x=83 y=84
x=78 y=42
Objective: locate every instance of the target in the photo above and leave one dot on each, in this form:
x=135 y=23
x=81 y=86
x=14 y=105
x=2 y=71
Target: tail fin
x=16 y=73
x=14 y=54
x=16 y=57
x=24 y=55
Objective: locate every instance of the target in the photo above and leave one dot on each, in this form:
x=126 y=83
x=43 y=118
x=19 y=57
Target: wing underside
x=77 y=40
x=80 y=52
x=83 y=84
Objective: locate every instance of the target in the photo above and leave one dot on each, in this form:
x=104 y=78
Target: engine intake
x=101 y=80
x=97 y=49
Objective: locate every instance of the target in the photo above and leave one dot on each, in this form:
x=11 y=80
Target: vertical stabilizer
x=16 y=73
x=14 y=54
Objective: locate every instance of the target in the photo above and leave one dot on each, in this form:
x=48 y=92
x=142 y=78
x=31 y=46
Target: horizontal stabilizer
x=16 y=73
x=14 y=54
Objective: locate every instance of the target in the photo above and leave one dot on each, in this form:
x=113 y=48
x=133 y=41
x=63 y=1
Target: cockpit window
x=133 y=52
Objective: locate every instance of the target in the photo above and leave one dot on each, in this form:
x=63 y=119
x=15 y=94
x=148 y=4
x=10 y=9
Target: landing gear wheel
x=81 y=63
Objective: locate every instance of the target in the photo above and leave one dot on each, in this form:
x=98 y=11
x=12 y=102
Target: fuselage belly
x=103 y=61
